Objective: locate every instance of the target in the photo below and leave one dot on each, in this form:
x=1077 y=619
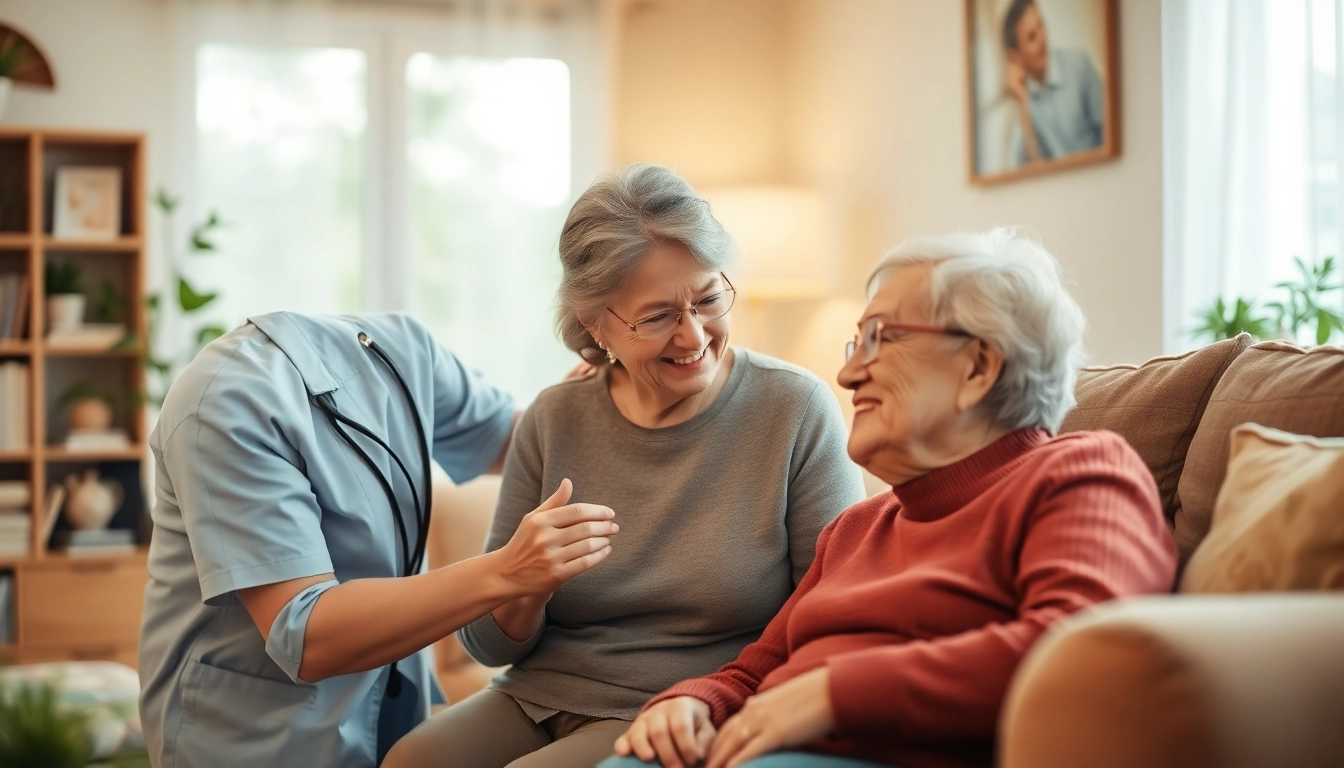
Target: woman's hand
x=556 y=542
x=677 y=732
x=791 y=715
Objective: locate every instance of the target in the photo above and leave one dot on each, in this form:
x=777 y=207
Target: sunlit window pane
x=281 y=154
x=489 y=173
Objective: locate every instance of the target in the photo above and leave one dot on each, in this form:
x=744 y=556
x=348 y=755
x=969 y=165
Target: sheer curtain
x=402 y=156
x=1252 y=140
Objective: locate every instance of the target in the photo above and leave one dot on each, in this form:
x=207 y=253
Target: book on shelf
x=97 y=440
x=15 y=494
x=13 y=405
x=94 y=542
x=55 y=500
x=15 y=532
x=14 y=290
x=6 y=608
x=99 y=336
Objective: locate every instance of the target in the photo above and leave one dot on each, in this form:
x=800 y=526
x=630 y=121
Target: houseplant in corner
x=1307 y=302
x=11 y=56
x=65 y=296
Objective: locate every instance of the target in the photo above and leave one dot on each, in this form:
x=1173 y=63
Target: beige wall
x=700 y=87
x=865 y=100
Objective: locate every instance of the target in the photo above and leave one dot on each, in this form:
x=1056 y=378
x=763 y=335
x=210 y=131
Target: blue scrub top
x=254 y=487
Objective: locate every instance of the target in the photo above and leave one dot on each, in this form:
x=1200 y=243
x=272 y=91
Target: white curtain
x=392 y=155
x=1252 y=141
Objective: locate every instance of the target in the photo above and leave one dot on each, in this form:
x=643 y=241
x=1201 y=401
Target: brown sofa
x=1169 y=681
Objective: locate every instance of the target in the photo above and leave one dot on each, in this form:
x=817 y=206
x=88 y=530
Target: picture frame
x=1055 y=60
x=87 y=205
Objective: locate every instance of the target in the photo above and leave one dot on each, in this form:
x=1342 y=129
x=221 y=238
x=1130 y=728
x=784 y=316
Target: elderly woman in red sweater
x=898 y=645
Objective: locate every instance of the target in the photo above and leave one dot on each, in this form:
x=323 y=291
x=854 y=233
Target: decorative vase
x=90 y=502
x=5 y=83
x=90 y=413
x=65 y=311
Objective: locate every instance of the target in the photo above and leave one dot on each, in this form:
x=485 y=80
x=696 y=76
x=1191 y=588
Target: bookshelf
x=64 y=605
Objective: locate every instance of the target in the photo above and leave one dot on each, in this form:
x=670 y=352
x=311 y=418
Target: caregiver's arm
x=364 y=624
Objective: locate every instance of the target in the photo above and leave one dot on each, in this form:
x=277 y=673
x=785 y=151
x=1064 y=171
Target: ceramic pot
x=90 y=502
x=90 y=413
x=65 y=311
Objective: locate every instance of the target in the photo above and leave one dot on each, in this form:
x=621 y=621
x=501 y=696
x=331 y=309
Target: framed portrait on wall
x=88 y=203
x=1043 y=86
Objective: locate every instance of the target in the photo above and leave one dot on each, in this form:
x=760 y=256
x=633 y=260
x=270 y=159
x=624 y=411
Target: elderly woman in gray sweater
x=721 y=465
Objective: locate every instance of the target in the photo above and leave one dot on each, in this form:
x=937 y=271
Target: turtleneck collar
x=943 y=491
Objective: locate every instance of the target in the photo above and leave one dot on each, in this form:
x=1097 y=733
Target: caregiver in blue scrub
x=288 y=611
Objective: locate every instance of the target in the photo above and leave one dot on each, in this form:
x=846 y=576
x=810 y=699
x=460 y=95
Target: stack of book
x=14 y=290
x=13 y=405
x=16 y=499
x=98 y=336
x=97 y=440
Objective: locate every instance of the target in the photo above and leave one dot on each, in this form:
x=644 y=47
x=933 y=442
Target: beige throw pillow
x=1278 y=523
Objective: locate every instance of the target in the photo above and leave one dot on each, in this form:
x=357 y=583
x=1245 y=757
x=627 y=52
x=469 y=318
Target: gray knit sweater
x=719 y=519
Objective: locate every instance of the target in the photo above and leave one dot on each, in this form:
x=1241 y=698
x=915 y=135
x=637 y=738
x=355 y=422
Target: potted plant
x=11 y=57
x=88 y=408
x=37 y=730
x=65 y=296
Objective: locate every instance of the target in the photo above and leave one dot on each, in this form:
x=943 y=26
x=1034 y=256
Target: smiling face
x=685 y=363
x=913 y=403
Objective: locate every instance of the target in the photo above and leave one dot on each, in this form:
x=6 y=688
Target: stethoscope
x=412 y=559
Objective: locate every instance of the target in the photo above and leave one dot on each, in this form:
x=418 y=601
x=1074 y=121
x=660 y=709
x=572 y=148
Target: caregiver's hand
x=677 y=732
x=556 y=542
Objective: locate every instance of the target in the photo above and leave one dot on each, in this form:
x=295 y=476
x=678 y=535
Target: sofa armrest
x=1188 y=681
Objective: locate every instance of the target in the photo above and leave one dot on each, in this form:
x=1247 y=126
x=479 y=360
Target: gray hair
x=612 y=227
x=1003 y=287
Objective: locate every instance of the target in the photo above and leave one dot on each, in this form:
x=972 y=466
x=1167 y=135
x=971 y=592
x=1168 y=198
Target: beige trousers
x=490 y=730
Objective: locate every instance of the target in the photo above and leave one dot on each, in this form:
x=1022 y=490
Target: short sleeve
x=472 y=419
x=249 y=510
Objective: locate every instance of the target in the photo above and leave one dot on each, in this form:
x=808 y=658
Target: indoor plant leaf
x=189 y=299
x=209 y=334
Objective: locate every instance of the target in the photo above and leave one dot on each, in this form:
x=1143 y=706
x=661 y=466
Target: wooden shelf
x=12 y=456
x=12 y=347
x=126 y=244
x=61 y=453
x=15 y=240
x=61 y=350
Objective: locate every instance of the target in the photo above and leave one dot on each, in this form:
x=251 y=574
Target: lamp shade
x=781 y=234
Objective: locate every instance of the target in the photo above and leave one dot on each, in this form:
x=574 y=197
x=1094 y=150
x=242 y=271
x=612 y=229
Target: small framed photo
x=88 y=203
x=1043 y=90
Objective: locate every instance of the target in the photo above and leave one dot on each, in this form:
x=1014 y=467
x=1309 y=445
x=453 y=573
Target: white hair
x=614 y=224
x=1004 y=288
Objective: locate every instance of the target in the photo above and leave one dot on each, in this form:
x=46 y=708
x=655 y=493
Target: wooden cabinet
x=76 y=608
x=63 y=607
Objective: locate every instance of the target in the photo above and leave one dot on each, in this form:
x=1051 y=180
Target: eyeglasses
x=873 y=331
x=660 y=325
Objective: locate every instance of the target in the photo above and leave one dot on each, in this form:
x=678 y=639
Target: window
x=389 y=172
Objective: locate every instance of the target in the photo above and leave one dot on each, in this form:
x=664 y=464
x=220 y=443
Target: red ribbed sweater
x=922 y=601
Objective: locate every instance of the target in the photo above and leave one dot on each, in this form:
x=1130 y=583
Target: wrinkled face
x=906 y=398
x=1033 y=51
x=668 y=280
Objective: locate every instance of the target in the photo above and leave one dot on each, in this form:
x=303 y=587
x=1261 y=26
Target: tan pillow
x=1156 y=407
x=1275 y=384
x=1279 y=521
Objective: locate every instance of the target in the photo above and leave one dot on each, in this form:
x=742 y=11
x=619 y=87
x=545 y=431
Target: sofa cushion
x=1156 y=407
x=1279 y=521
x=1274 y=384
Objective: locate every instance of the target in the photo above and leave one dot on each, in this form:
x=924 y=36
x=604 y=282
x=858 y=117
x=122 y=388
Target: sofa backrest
x=1273 y=384
x=1156 y=407
x=1178 y=413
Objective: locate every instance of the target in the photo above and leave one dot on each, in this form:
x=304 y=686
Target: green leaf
x=209 y=334
x=199 y=243
x=129 y=341
x=165 y=202
x=161 y=367
x=152 y=300
x=189 y=299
